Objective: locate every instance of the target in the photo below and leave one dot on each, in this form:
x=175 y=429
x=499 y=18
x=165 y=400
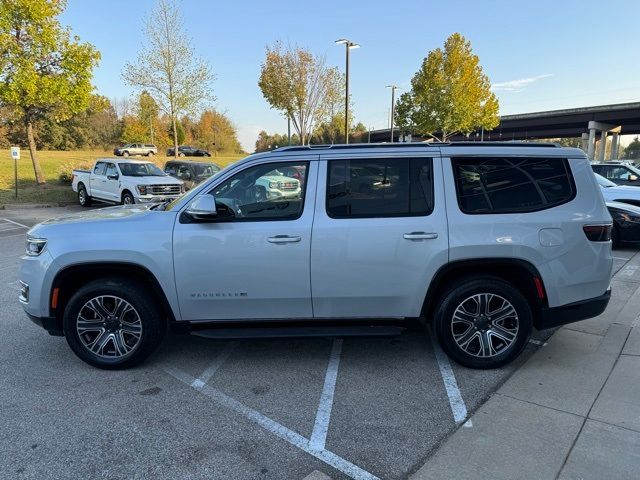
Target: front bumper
x=50 y=324
x=573 y=312
x=155 y=198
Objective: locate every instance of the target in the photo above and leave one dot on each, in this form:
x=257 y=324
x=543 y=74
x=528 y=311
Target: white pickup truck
x=125 y=182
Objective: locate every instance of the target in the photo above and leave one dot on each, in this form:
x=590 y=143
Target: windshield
x=603 y=182
x=205 y=170
x=140 y=170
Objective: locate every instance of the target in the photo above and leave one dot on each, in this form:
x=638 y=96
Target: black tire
x=83 y=197
x=153 y=324
x=518 y=325
x=181 y=154
x=150 y=154
x=125 y=154
x=127 y=198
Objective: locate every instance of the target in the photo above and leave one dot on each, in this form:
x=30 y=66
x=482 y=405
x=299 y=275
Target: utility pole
x=348 y=46
x=289 y=128
x=393 y=105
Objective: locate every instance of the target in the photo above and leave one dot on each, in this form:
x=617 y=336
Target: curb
x=25 y=206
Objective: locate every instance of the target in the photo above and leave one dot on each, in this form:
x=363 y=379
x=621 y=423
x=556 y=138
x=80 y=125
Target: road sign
x=15 y=153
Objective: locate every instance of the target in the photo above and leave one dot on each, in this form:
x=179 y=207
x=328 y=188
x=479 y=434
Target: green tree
x=215 y=132
x=633 y=150
x=300 y=85
x=147 y=111
x=268 y=142
x=449 y=94
x=168 y=68
x=44 y=71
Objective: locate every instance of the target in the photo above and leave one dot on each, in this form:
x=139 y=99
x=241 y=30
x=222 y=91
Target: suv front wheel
x=113 y=323
x=483 y=322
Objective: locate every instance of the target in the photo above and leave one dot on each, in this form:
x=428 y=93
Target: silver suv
x=485 y=241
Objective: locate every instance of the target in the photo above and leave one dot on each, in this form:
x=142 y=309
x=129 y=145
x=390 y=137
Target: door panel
x=97 y=180
x=256 y=269
x=375 y=267
x=112 y=187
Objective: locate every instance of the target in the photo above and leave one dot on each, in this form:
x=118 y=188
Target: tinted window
x=262 y=192
x=618 y=173
x=503 y=185
x=389 y=187
x=99 y=168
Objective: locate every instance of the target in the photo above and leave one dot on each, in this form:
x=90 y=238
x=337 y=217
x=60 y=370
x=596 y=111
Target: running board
x=225 y=333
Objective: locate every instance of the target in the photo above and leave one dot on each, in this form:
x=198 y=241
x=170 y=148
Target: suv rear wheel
x=113 y=323
x=483 y=322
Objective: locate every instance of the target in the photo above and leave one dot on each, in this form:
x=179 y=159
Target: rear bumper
x=573 y=312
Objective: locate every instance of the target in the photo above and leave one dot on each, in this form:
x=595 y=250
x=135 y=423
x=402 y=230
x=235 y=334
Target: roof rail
x=508 y=143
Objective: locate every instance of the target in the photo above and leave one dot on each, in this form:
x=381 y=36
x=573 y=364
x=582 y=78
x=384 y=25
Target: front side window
x=511 y=185
x=385 y=187
x=262 y=192
x=618 y=173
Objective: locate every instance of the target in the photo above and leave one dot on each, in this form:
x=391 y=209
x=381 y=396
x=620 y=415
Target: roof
x=299 y=148
x=122 y=160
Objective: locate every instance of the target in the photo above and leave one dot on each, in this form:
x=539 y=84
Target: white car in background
x=618 y=193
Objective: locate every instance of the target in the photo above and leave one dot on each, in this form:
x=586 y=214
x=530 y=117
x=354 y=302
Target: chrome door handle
x=283 y=239
x=419 y=236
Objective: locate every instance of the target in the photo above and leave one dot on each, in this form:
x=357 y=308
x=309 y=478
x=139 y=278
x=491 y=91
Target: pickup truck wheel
x=83 y=197
x=125 y=154
x=181 y=154
x=150 y=154
x=483 y=322
x=127 y=199
x=113 y=323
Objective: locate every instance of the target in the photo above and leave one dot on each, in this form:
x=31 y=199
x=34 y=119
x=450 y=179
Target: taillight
x=598 y=233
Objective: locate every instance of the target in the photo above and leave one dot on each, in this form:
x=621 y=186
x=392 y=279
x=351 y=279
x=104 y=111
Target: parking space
x=351 y=408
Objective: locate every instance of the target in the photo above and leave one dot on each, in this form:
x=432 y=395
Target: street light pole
x=393 y=105
x=348 y=46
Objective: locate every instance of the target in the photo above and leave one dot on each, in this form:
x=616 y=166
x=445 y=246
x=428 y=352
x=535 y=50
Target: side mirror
x=113 y=177
x=633 y=178
x=202 y=209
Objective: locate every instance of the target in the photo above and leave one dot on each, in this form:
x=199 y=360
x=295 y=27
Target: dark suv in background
x=191 y=173
x=186 y=151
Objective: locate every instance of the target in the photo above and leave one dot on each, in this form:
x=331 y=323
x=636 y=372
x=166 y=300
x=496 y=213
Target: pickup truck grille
x=164 y=189
x=288 y=185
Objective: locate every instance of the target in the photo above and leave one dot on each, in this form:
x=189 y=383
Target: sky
x=539 y=55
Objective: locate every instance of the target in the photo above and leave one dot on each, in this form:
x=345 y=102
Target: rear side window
x=511 y=185
x=99 y=168
x=373 y=188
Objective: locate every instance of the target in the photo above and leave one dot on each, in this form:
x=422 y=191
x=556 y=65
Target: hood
x=118 y=213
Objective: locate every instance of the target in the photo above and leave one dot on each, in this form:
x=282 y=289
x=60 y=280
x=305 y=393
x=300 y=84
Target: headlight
x=35 y=246
x=182 y=188
x=273 y=184
x=142 y=189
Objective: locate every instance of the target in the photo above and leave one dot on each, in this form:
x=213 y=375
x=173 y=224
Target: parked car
x=482 y=240
x=146 y=149
x=626 y=223
x=186 y=151
x=618 y=193
x=191 y=173
x=619 y=173
x=125 y=182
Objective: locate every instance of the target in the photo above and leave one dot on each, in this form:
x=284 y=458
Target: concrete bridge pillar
x=585 y=142
x=614 y=145
x=591 y=147
x=603 y=145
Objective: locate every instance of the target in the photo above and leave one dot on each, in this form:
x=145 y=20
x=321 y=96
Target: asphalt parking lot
x=256 y=409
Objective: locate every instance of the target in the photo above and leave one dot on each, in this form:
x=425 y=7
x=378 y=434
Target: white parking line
x=215 y=366
x=15 y=223
x=323 y=415
x=275 y=428
x=4 y=227
x=458 y=407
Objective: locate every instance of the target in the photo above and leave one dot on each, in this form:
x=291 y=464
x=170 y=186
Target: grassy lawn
x=54 y=164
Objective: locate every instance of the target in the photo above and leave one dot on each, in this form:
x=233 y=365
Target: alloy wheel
x=109 y=327
x=485 y=325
